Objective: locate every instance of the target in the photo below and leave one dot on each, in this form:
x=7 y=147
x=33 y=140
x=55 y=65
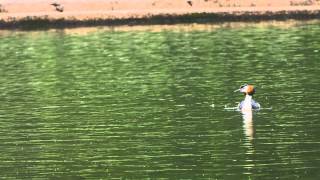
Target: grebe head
x=247 y=89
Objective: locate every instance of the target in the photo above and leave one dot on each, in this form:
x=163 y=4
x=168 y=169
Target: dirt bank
x=59 y=13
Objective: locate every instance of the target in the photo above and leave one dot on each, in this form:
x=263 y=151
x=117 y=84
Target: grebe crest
x=247 y=89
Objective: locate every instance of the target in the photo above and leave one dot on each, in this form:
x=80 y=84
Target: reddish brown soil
x=122 y=9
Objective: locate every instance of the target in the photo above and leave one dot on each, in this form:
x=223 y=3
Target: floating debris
x=58 y=6
x=55 y=4
x=2 y=9
x=189 y=2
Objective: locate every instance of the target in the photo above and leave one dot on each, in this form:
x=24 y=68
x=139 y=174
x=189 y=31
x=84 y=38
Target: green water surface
x=150 y=105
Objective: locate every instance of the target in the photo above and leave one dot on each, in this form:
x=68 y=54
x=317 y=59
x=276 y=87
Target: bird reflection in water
x=248 y=126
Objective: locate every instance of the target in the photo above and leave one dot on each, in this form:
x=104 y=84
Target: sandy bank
x=18 y=13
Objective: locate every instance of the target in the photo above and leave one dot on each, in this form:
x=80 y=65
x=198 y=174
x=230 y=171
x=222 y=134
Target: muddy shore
x=30 y=14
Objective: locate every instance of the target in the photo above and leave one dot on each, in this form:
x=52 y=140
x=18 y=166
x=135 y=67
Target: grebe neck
x=248 y=98
x=247 y=103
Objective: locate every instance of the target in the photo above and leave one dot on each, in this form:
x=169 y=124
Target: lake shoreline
x=167 y=19
x=45 y=15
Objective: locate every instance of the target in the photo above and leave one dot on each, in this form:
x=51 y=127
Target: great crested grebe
x=248 y=103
